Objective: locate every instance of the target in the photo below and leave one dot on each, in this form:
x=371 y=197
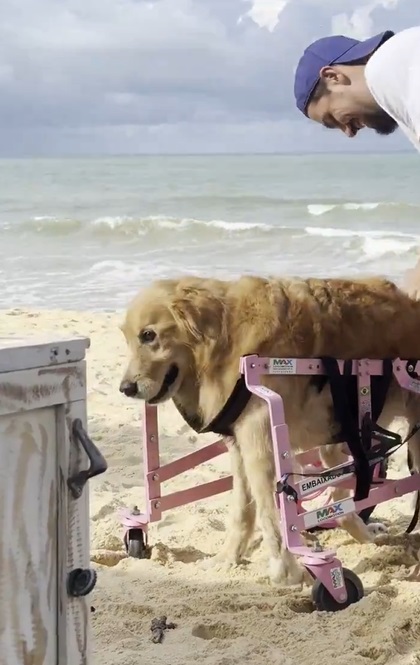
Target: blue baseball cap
x=330 y=51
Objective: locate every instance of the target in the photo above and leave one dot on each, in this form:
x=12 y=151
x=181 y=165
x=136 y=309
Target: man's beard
x=381 y=122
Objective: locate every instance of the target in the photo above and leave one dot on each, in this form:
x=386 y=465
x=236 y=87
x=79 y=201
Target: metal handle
x=98 y=463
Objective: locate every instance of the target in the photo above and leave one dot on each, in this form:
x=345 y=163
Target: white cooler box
x=46 y=460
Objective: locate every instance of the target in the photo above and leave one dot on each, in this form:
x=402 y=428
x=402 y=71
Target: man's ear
x=330 y=74
x=200 y=313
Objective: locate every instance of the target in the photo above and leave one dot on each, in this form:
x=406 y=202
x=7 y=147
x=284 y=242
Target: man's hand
x=411 y=281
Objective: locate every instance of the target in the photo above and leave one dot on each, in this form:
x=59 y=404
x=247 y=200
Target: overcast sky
x=171 y=76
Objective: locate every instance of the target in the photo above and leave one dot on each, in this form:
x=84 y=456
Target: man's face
x=347 y=104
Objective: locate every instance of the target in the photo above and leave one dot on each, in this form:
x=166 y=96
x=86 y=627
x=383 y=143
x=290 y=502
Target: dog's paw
x=221 y=561
x=377 y=528
x=286 y=571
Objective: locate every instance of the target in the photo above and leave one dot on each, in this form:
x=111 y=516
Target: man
x=350 y=85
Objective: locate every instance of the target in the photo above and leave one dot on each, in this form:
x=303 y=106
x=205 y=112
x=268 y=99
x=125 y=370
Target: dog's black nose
x=128 y=388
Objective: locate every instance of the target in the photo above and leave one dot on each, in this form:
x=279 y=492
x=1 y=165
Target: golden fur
x=203 y=326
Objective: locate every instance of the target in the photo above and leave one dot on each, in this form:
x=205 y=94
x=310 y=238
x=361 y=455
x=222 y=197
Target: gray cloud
x=169 y=75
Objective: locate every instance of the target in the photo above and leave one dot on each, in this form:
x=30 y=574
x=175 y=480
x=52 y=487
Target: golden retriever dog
x=185 y=338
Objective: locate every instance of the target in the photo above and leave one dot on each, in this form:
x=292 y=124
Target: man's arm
x=413 y=95
x=393 y=77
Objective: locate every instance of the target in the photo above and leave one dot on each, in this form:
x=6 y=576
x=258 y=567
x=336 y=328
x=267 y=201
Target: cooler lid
x=20 y=353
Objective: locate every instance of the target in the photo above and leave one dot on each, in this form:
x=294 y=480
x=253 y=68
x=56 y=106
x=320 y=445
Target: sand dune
x=222 y=618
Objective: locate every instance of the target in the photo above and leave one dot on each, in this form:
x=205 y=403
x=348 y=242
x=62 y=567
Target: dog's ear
x=200 y=313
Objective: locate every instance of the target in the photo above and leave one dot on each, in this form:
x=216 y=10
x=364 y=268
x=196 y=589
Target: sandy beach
x=222 y=618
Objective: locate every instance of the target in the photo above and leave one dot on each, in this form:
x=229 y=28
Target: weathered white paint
x=28 y=547
x=42 y=387
x=44 y=531
x=17 y=353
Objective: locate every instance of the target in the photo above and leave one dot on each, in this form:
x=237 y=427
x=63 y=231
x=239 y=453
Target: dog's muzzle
x=128 y=388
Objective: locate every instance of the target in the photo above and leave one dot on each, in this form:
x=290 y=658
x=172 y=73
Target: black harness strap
x=350 y=428
x=370 y=429
x=415 y=517
x=236 y=403
x=346 y=409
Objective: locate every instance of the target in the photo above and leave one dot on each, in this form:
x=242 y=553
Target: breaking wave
x=318 y=209
x=128 y=226
x=289 y=216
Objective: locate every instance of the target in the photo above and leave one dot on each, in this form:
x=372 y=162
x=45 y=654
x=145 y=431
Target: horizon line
x=211 y=154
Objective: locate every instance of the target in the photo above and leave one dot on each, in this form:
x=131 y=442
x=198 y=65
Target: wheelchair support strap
x=350 y=429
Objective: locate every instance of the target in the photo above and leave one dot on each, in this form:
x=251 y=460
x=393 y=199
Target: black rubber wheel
x=323 y=600
x=81 y=581
x=135 y=545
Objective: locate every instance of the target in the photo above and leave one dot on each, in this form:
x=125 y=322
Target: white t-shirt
x=393 y=77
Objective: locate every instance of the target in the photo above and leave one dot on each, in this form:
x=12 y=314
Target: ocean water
x=88 y=233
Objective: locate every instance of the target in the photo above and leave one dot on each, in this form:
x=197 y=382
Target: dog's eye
x=147 y=336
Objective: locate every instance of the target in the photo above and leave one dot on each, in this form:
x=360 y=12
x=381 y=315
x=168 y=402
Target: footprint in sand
x=219 y=630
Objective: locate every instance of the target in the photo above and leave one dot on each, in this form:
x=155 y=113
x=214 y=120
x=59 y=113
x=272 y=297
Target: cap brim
x=363 y=49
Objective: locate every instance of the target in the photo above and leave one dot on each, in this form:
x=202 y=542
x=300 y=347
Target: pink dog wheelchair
x=358 y=389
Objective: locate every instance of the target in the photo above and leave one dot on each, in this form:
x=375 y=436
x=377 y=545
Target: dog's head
x=171 y=329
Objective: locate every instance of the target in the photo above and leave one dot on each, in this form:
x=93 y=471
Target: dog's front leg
x=255 y=445
x=332 y=455
x=242 y=512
